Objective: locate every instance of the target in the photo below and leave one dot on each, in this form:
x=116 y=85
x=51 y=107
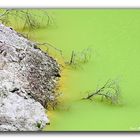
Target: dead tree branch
x=28 y=18
x=50 y=45
x=110 y=91
x=79 y=58
x=5 y=12
x=72 y=57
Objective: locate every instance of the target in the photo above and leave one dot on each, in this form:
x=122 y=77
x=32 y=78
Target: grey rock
x=28 y=78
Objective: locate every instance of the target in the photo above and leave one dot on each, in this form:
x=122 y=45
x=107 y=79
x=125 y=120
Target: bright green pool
x=114 y=36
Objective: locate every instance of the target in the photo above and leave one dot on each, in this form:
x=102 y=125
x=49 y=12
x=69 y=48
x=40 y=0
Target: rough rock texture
x=27 y=80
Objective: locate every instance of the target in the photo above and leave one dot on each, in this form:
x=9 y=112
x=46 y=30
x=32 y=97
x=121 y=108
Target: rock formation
x=27 y=80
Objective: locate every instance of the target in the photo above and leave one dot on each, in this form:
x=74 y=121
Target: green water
x=114 y=36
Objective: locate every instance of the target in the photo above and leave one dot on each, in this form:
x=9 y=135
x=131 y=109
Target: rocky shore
x=28 y=78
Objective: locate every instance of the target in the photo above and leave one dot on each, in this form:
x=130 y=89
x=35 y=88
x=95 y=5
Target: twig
x=105 y=91
x=50 y=45
x=77 y=59
x=31 y=22
x=72 y=57
x=6 y=12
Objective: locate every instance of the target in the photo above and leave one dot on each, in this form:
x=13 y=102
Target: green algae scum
x=112 y=38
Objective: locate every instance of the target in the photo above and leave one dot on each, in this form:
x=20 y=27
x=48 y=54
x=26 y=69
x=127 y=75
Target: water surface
x=114 y=37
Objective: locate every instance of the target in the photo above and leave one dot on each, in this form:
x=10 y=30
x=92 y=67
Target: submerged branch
x=29 y=19
x=72 y=58
x=5 y=12
x=79 y=58
x=50 y=45
x=110 y=91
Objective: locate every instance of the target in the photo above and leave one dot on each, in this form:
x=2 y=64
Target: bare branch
x=5 y=12
x=50 y=45
x=78 y=58
x=72 y=58
x=30 y=20
x=110 y=91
